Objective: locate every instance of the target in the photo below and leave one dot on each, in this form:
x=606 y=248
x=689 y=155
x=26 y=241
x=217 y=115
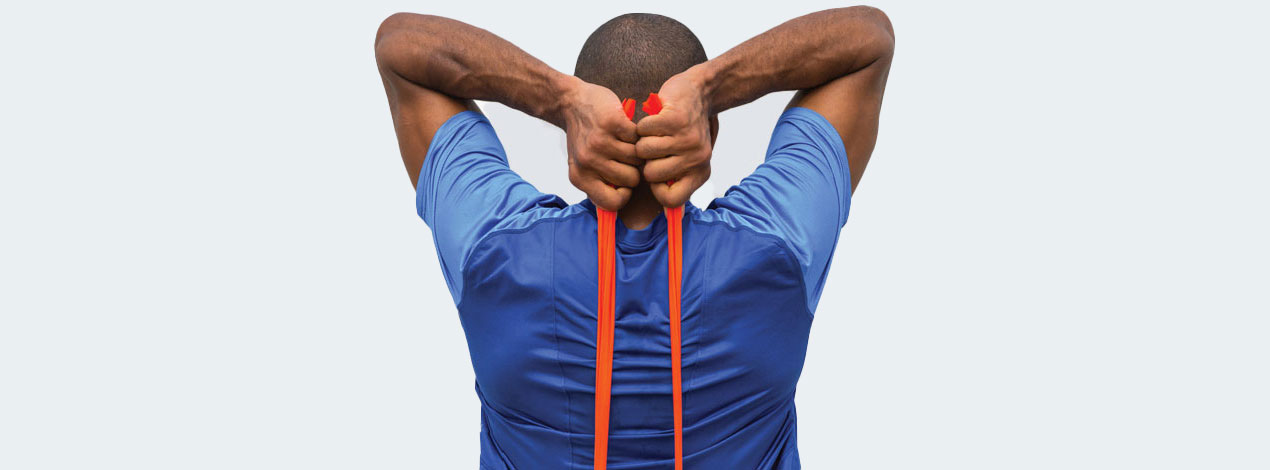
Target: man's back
x=522 y=268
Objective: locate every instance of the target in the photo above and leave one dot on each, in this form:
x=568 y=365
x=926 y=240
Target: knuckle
x=613 y=147
x=652 y=172
x=630 y=155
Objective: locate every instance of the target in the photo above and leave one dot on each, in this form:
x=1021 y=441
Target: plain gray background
x=210 y=256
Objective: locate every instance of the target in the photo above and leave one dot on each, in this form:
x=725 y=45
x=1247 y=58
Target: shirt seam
x=555 y=327
x=783 y=246
x=504 y=231
x=818 y=124
x=703 y=324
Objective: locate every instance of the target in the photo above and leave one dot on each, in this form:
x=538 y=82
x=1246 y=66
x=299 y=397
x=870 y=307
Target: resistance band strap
x=674 y=242
x=606 y=243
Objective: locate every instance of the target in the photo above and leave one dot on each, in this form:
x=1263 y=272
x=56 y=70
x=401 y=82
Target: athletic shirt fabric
x=521 y=267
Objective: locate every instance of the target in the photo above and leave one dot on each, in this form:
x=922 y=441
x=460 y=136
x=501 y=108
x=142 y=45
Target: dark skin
x=839 y=59
x=434 y=67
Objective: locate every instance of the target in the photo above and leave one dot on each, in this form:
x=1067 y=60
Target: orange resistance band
x=605 y=312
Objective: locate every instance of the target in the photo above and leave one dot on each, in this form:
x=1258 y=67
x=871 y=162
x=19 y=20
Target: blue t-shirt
x=521 y=266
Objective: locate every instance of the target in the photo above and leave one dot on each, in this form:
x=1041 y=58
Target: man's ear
x=714 y=129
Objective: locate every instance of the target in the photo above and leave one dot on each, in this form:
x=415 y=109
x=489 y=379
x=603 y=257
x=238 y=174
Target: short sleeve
x=466 y=188
x=801 y=193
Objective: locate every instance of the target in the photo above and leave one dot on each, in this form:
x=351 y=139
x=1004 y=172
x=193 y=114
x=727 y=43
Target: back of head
x=635 y=53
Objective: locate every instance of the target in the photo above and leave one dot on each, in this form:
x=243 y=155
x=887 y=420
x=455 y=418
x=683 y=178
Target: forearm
x=802 y=53
x=467 y=62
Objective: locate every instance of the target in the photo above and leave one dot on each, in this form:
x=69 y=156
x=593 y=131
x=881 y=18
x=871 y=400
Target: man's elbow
x=880 y=34
x=384 y=38
x=871 y=15
x=400 y=33
x=390 y=25
x=886 y=32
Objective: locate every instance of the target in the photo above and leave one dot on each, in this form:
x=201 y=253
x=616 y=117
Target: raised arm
x=838 y=59
x=433 y=67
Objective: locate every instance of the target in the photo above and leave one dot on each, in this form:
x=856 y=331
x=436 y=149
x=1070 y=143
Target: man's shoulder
x=535 y=225
x=535 y=218
x=724 y=228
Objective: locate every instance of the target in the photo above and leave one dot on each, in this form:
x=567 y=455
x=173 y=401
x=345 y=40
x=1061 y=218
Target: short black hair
x=635 y=53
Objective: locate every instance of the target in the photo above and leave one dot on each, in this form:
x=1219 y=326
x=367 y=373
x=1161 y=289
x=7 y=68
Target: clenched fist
x=601 y=145
x=676 y=143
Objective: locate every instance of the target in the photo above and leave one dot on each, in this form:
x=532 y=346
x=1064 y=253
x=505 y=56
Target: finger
x=677 y=194
x=661 y=124
x=658 y=147
x=594 y=153
x=665 y=169
x=623 y=152
x=618 y=173
x=608 y=198
x=626 y=131
x=613 y=199
x=599 y=192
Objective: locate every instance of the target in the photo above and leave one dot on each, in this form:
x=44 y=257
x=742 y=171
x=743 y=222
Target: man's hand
x=601 y=142
x=676 y=143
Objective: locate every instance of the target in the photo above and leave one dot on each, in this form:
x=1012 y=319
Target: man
x=521 y=265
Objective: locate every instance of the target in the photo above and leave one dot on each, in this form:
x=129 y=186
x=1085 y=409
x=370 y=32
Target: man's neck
x=642 y=208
